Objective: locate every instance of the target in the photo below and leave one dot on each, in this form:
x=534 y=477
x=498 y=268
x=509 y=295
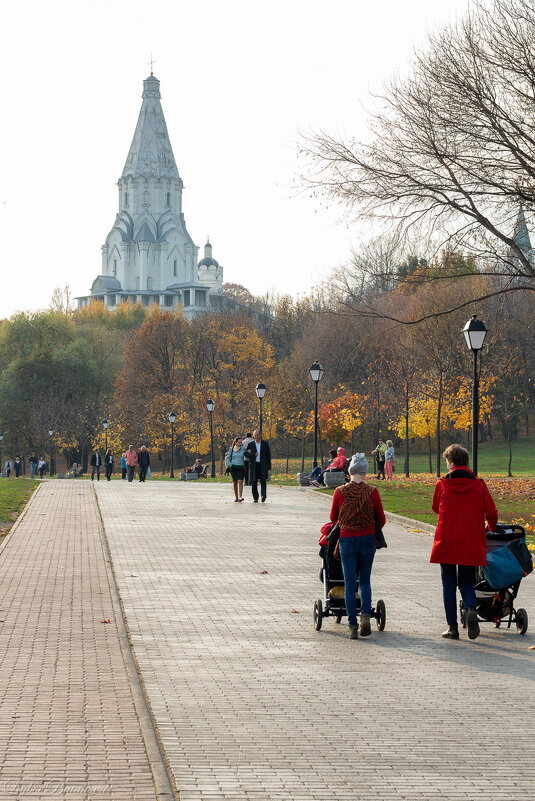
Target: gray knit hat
x=359 y=464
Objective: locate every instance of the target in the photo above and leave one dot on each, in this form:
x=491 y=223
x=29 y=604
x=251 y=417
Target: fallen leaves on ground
x=294 y=612
x=107 y=620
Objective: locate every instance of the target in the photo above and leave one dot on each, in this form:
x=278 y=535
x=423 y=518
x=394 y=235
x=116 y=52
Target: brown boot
x=353 y=632
x=365 y=626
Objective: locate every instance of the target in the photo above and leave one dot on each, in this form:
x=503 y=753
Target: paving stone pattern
x=68 y=727
x=253 y=703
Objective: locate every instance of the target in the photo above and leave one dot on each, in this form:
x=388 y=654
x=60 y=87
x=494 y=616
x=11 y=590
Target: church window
x=169 y=198
x=126 y=198
x=149 y=282
x=115 y=266
x=168 y=300
x=186 y=297
x=146 y=198
x=200 y=297
x=111 y=300
x=174 y=267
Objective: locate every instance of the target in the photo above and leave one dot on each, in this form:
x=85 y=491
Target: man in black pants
x=96 y=462
x=259 y=465
x=143 y=460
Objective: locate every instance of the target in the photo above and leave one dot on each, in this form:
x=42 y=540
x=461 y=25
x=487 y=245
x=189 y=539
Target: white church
x=149 y=256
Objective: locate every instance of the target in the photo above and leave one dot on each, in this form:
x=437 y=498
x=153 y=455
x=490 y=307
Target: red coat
x=462 y=503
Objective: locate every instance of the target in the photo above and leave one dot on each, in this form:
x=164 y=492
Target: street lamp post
x=106 y=424
x=1 y=438
x=475 y=332
x=316 y=373
x=172 y=418
x=260 y=390
x=210 y=405
x=51 y=434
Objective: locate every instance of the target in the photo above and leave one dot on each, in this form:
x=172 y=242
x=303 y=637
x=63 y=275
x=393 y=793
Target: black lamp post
x=210 y=405
x=260 y=390
x=316 y=373
x=475 y=332
x=51 y=434
x=1 y=465
x=106 y=424
x=172 y=418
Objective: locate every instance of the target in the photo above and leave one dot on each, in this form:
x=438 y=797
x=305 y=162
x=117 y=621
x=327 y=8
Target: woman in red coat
x=462 y=502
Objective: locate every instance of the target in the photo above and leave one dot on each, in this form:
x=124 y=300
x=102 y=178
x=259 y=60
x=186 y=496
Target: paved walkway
x=252 y=703
x=68 y=726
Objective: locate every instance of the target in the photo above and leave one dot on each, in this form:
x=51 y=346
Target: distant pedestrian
x=260 y=465
x=41 y=466
x=379 y=453
x=390 y=458
x=143 y=461
x=245 y=442
x=33 y=460
x=236 y=463
x=462 y=502
x=18 y=467
x=96 y=464
x=108 y=463
x=130 y=458
x=8 y=467
x=123 y=466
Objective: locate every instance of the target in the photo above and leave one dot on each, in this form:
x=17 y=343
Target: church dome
x=208 y=262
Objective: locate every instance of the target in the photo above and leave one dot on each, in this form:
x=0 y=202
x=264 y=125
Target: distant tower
x=209 y=270
x=149 y=255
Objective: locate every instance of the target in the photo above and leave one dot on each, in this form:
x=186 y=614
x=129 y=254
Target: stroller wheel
x=521 y=621
x=318 y=614
x=380 y=615
x=338 y=618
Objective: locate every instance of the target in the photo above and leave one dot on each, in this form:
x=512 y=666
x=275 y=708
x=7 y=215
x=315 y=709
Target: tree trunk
x=429 y=453
x=439 y=415
x=489 y=429
x=510 y=453
x=287 y=453
x=407 y=430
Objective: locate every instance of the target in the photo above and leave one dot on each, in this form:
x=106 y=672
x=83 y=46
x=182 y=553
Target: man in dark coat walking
x=96 y=463
x=258 y=455
x=143 y=460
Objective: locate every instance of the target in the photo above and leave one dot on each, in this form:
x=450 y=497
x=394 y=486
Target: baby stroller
x=332 y=576
x=496 y=586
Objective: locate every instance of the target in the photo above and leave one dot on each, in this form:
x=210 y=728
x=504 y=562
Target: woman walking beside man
x=236 y=463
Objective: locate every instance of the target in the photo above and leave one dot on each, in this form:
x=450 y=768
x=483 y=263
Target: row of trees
x=413 y=383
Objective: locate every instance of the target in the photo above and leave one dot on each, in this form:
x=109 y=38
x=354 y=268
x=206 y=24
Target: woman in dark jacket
x=462 y=502
x=108 y=463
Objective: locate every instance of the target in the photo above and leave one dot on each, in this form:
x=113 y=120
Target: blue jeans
x=454 y=576
x=356 y=554
x=315 y=474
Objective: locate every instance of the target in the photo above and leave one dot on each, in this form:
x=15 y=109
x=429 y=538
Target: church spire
x=151 y=154
x=521 y=234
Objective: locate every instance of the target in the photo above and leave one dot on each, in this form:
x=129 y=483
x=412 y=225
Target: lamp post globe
x=475 y=332
x=260 y=390
x=172 y=418
x=316 y=371
x=210 y=406
x=51 y=434
x=106 y=424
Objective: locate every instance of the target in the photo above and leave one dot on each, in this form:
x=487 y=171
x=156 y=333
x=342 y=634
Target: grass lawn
x=14 y=493
x=514 y=498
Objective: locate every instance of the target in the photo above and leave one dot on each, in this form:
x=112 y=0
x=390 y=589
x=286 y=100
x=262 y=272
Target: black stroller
x=331 y=574
x=496 y=604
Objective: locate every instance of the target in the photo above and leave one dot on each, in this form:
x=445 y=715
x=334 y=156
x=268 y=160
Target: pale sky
x=239 y=80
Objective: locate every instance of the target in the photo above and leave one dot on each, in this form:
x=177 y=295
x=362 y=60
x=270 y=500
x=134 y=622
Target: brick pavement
x=253 y=704
x=68 y=726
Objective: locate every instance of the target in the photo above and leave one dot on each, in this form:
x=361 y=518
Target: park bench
x=189 y=476
x=303 y=480
x=334 y=478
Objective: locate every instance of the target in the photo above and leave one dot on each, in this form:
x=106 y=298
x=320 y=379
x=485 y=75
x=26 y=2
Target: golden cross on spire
x=151 y=63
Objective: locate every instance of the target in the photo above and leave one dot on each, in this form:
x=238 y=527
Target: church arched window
x=146 y=197
x=174 y=267
x=126 y=198
x=169 y=198
x=115 y=266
